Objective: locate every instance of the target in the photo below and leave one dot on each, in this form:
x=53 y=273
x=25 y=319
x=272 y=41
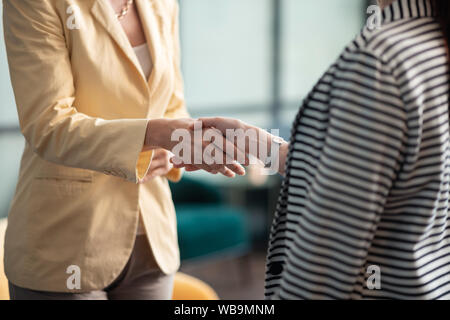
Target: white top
x=145 y=59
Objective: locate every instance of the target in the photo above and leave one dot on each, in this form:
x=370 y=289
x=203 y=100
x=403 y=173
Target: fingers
x=160 y=158
x=218 y=155
x=222 y=170
x=211 y=123
x=228 y=171
x=160 y=165
x=225 y=165
x=161 y=154
x=191 y=168
x=221 y=123
x=233 y=153
x=155 y=173
x=224 y=153
x=226 y=162
x=236 y=168
x=216 y=134
x=178 y=164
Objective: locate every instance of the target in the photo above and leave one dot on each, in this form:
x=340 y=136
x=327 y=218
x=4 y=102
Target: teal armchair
x=208 y=227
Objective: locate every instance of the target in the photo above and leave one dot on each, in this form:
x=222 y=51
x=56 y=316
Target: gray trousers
x=141 y=279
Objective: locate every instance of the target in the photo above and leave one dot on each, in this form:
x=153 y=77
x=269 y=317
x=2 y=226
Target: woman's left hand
x=160 y=165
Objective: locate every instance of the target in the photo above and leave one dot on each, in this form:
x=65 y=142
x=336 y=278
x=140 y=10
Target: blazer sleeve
x=44 y=89
x=177 y=105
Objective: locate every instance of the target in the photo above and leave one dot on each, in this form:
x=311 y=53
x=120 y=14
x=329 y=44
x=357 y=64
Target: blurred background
x=249 y=59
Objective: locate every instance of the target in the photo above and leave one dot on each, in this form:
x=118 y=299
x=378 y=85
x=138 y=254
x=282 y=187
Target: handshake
x=217 y=145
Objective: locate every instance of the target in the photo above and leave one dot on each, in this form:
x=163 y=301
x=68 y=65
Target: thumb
x=196 y=125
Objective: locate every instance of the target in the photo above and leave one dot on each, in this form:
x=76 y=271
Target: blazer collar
x=105 y=15
x=402 y=9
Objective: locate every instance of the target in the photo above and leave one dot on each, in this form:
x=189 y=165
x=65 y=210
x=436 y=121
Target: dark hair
x=443 y=11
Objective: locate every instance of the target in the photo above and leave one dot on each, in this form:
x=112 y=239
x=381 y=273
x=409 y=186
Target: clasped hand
x=202 y=144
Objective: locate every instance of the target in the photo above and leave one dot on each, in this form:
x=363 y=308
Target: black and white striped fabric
x=368 y=172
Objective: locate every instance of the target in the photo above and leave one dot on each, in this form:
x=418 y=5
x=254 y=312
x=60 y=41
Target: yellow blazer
x=83 y=104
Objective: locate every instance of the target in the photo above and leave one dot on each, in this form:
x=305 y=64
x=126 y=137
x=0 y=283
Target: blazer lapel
x=105 y=15
x=147 y=11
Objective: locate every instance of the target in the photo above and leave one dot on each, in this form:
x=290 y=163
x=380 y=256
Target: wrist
x=156 y=135
x=283 y=153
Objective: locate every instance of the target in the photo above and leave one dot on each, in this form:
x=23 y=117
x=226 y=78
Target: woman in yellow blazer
x=93 y=121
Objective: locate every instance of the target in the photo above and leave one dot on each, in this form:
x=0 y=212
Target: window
x=11 y=141
x=313 y=35
x=8 y=114
x=257 y=59
x=227 y=48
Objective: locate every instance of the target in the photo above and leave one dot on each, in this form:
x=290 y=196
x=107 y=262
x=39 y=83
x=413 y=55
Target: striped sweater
x=367 y=184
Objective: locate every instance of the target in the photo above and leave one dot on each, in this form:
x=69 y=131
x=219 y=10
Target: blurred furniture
x=207 y=226
x=4 y=292
x=255 y=192
x=12 y=143
x=190 y=288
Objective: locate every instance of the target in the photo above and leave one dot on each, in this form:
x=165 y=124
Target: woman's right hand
x=159 y=136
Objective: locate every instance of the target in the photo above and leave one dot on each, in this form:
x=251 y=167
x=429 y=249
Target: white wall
x=8 y=113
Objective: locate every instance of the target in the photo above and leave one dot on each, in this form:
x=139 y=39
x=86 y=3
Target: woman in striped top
x=363 y=210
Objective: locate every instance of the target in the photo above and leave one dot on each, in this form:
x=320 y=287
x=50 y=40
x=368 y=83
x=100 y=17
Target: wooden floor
x=233 y=279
